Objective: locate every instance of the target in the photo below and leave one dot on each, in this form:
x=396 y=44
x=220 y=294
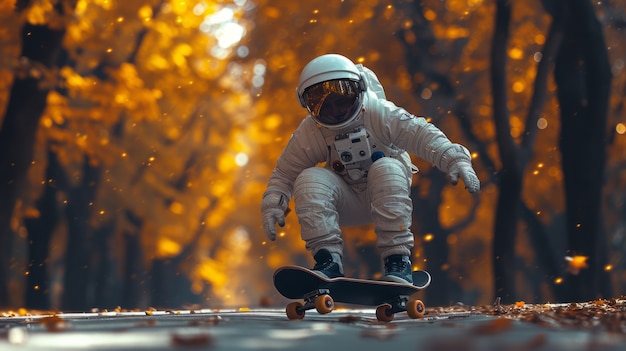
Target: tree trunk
x=422 y=58
x=134 y=279
x=107 y=282
x=510 y=176
x=514 y=157
x=505 y=234
x=583 y=77
x=40 y=45
x=77 y=295
x=134 y=276
x=426 y=213
x=40 y=232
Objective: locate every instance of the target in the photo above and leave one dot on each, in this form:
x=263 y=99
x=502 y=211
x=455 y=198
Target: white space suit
x=366 y=174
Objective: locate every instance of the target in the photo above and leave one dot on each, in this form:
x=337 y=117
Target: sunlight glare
x=199 y=9
x=241 y=159
x=224 y=27
x=229 y=34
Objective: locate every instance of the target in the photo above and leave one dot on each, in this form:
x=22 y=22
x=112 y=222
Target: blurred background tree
x=137 y=138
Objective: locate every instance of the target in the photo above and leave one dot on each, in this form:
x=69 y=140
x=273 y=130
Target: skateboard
x=321 y=293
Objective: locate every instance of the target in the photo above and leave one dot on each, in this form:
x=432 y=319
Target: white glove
x=274 y=208
x=458 y=162
x=466 y=172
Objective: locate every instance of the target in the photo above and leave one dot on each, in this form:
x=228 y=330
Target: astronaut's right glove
x=274 y=207
x=458 y=162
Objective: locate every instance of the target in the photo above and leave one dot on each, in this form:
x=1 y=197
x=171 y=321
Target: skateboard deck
x=319 y=292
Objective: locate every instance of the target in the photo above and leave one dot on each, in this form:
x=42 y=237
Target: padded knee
x=391 y=206
x=316 y=195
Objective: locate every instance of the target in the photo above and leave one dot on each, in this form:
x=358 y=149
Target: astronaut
x=348 y=163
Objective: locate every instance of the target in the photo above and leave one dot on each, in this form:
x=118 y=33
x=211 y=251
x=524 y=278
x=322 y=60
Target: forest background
x=137 y=138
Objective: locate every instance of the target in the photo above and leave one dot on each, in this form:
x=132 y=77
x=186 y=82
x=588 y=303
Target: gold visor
x=333 y=102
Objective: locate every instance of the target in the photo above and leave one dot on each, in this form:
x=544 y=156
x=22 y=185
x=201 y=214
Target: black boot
x=398 y=269
x=328 y=264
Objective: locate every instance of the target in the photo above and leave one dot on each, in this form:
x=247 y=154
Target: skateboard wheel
x=383 y=313
x=415 y=309
x=324 y=304
x=295 y=311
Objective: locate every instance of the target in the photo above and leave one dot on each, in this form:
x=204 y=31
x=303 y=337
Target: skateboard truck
x=414 y=307
x=318 y=299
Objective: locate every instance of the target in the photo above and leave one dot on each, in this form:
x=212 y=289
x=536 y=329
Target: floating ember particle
x=576 y=263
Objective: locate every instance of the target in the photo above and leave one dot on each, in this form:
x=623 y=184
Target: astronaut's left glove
x=274 y=208
x=458 y=163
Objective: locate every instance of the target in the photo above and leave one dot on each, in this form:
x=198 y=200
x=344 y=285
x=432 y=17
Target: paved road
x=269 y=329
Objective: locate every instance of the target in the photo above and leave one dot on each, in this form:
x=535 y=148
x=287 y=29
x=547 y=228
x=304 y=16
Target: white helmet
x=331 y=88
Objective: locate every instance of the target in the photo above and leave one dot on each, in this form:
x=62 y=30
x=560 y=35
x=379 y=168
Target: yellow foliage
x=7 y=5
x=203 y=202
x=177 y=208
x=167 y=247
x=213 y=272
x=180 y=54
x=105 y=4
x=157 y=62
x=272 y=121
x=226 y=163
x=215 y=218
x=40 y=13
x=516 y=53
x=277 y=259
x=145 y=13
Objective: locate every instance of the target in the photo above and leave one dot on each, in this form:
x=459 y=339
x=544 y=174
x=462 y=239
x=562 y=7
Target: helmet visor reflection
x=332 y=102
